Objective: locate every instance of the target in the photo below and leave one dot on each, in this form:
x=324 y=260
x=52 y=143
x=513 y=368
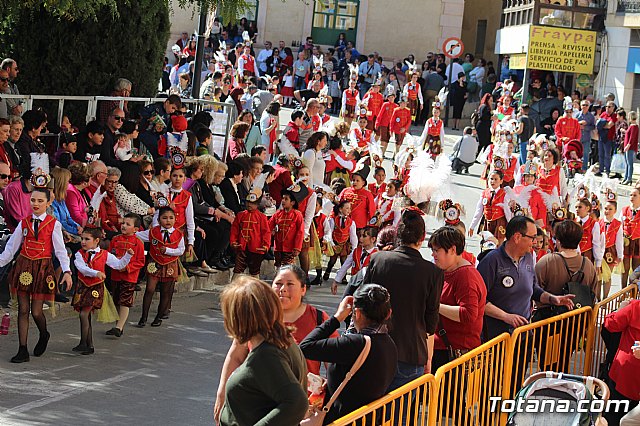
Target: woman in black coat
x=371 y=307
x=458 y=97
x=483 y=126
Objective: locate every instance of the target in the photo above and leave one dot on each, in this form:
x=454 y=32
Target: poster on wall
x=561 y=49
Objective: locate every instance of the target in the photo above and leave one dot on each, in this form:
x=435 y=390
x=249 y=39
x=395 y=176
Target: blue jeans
x=604 y=155
x=405 y=373
x=523 y=152
x=299 y=82
x=586 y=146
x=629 y=157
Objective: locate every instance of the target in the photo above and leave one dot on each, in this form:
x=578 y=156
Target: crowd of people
x=307 y=196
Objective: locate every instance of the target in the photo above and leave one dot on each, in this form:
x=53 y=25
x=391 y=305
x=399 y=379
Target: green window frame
x=332 y=17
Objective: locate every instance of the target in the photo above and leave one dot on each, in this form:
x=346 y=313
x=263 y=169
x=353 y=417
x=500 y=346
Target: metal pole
x=446 y=110
x=197 y=69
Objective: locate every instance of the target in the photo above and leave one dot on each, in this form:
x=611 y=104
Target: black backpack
x=584 y=296
x=475 y=118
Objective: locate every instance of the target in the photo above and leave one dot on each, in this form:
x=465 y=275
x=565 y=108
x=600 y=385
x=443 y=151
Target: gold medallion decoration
x=51 y=283
x=152 y=268
x=95 y=293
x=169 y=271
x=609 y=257
x=25 y=278
x=501 y=230
x=627 y=241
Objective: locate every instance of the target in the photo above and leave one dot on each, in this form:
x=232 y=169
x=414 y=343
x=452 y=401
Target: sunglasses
x=117 y=118
x=5 y=79
x=3 y=176
x=147 y=172
x=112 y=182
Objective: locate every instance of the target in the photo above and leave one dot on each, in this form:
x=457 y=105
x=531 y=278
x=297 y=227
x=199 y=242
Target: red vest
x=362 y=136
x=412 y=90
x=374 y=103
x=549 y=180
x=341 y=233
x=586 y=243
x=180 y=201
x=42 y=248
x=631 y=223
x=352 y=97
x=610 y=231
x=510 y=171
x=98 y=263
x=357 y=254
x=492 y=210
x=377 y=190
x=362 y=205
x=156 y=238
x=434 y=127
x=319 y=222
x=249 y=63
x=302 y=205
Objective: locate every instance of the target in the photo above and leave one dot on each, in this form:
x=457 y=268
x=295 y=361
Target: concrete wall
x=613 y=76
x=181 y=20
x=475 y=10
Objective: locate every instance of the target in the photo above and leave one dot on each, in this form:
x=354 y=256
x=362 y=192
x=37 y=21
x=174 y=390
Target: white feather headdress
x=428 y=179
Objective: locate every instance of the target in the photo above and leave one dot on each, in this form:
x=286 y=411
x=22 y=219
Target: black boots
x=41 y=346
x=21 y=356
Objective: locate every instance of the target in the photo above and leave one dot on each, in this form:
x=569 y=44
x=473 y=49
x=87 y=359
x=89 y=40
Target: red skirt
x=632 y=249
x=88 y=296
x=349 y=111
x=287 y=92
x=164 y=273
x=34 y=277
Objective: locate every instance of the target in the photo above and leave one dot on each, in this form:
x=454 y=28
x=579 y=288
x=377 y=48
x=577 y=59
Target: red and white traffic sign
x=453 y=47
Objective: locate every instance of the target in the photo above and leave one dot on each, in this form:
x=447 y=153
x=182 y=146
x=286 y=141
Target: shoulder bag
x=316 y=416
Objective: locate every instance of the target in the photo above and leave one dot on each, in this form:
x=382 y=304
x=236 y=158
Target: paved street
x=159 y=376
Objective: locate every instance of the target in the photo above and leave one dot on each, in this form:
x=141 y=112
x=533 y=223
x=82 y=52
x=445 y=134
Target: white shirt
x=480 y=211
x=310 y=212
x=315 y=162
x=112 y=262
x=191 y=224
x=468 y=146
x=348 y=263
x=144 y=236
x=457 y=68
x=16 y=239
x=262 y=59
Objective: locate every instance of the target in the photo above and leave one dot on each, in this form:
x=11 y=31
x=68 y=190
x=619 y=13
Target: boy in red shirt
x=287 y=227
x=363 y=208
x=400 y=122
x=373 y=100
x=123 y=281
x=384 y=117
x=292 y=130
x=250 y=235
x=378 y=187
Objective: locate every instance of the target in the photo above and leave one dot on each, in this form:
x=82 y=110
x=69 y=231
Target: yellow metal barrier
x=394 y=406
x=465 y=385
x=554 y=344
x=596 y=349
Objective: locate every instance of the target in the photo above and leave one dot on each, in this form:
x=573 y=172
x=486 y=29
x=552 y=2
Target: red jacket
x=288 y=230
x=118 y=247
x=108 y=213
x=250 y=231
x=627 y=321
x=384 y=116
x=362 y=205
x=549 y=180
x=98 y=263
x=492 y=210
x=631 y=223
x=374 y=103
x=377 y=190
x=400 y=118
x=631 y=138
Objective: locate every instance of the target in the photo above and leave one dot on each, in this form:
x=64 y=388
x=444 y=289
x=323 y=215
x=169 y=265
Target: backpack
x=584 y=296
x=475 y=118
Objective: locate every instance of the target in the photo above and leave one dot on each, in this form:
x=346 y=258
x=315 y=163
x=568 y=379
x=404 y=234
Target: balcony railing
x=560 y=13
x=628 y=6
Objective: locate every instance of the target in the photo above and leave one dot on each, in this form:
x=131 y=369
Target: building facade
x=480 y=23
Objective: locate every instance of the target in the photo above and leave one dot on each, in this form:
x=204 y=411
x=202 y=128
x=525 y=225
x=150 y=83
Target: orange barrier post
x=465 y=385
x=596 y=349
x=391 y=408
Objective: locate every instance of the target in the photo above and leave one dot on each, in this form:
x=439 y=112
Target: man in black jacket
x=415 y=285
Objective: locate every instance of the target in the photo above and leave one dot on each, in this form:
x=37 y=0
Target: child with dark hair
x=68 y=146
x=250 y=237
x=343 y=234
x=123 y=282
x=287 y=227
x=359 y=257
x=38 y=237
x=491 y=209
x=91 y=263
x=167 y=245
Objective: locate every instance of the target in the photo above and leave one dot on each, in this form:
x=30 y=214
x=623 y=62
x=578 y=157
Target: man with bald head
x=98 y=173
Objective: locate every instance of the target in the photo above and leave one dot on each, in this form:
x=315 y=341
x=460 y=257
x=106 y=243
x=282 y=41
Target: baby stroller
x=572 y=155
x=542 y=387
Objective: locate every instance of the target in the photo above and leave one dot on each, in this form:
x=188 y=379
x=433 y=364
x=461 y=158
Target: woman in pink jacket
x=76 y=203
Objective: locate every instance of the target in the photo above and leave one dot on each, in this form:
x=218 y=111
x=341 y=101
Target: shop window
x=332 y=17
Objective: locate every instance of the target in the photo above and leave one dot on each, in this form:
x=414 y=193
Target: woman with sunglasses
x=144 y=189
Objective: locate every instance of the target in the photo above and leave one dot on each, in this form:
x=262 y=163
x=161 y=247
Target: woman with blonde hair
x=270 y=384
x=61 y=178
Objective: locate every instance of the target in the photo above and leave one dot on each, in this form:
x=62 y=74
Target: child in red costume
x=361 y=137
x=363 y=208
x=287 y=227
x=250 y=236
x=350 y=102
x=384 y=118
x=359 y=257
x=123 y=282
x=292 y=130
x=400 y=122
x=91 y=263
x=179 y=125
x=378 y=187
x=343 y=235
x=167 y=245
x=489 y=209
x=373 y=100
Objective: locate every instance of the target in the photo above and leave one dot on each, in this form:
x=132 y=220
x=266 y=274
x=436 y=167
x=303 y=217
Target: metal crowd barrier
x=596 y=349
x=464 y=386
